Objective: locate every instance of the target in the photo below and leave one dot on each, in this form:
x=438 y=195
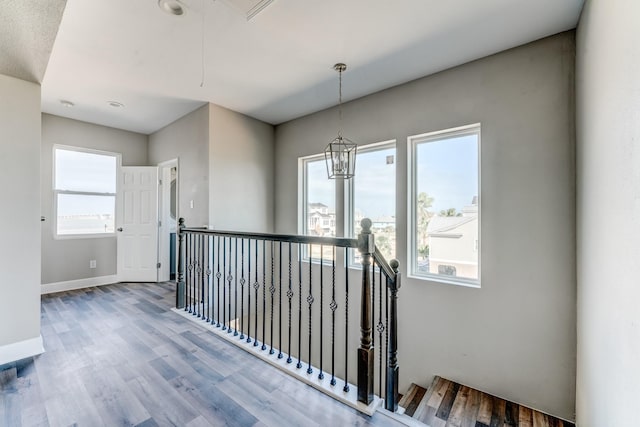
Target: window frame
x=412 y=143
x=57 y=192
x=349 y=195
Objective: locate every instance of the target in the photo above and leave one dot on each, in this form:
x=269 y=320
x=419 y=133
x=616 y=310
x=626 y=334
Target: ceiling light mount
x=172 y=7
x=115 y=104
x=340 y=154
x=66 y=103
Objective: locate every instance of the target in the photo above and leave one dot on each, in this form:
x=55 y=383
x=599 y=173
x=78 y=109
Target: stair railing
x=238 y=281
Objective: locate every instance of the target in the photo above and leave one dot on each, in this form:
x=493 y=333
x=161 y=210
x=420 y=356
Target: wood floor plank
x=485 y=410
x=440 y=390
x=447 y=401
x=456 y=414
x=525 y=417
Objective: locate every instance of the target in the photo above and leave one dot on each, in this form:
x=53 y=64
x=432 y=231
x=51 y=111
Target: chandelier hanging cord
x=340 y=67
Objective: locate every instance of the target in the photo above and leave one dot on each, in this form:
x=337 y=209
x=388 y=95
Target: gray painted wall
x=241 y=166
x=608 y=176
x=20 y=216
x=68 y=259
x=187 y=139
x=514 y=337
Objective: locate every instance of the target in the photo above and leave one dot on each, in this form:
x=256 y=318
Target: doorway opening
x=168 y=222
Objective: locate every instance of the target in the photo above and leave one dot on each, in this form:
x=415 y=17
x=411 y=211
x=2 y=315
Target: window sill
x=441 y=280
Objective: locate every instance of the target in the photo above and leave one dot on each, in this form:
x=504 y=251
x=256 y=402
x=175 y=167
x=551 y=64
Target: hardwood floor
x=117 y=356
x=447 y=403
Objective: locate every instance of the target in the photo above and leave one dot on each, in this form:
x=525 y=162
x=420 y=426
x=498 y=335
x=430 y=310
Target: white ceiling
x=278 y=65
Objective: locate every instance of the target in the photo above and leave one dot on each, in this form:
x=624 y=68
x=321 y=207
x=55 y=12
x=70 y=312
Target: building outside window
x=444 y=214
x=84 y=192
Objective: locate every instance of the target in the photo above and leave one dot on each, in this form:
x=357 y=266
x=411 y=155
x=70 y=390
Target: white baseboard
x=48 y=288
x=21 y=350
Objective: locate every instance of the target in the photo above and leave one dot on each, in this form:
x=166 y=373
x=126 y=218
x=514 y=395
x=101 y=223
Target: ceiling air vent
x=249 y=8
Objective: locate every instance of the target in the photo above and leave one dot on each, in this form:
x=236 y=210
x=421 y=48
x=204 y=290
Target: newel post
x=180 y=285
x=366 y=247
x=391 y=397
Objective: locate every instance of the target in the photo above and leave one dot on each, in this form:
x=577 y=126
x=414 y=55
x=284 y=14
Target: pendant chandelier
x=340 y=154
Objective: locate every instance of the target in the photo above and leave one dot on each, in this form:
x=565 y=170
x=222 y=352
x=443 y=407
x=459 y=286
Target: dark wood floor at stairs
x=447 y=403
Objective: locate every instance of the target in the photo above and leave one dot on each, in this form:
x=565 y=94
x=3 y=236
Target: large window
x=318 y=204
x=84 y=192
x=372 y=194
x=444 y=214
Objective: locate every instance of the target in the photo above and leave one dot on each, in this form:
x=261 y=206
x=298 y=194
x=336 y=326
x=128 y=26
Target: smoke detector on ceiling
x=172 y=7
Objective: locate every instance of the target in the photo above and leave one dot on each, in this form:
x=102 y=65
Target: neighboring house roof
x=317 y=205
x=322 y=215
x=442 y=224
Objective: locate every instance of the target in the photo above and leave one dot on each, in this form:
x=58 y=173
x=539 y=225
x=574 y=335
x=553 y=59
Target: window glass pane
x=321 y=198
x=374 y=197
x=446 y=217
x=80 y=171
x=320 y=202
x=85 y=214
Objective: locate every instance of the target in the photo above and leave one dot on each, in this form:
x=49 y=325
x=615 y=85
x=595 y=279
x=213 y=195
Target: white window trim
x=349 y=193
x=118 y=157
x=412 y=143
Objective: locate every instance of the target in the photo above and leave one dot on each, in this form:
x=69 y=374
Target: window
x=444 y=214
x=84 y=192
x=372 y=194
x=318 y=210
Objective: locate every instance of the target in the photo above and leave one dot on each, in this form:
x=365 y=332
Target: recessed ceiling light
x=115 y=104
x=66 y=103
x=172 y=7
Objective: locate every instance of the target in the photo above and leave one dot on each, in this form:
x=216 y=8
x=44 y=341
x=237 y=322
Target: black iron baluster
x=191 y=267
x=386 y=330
x=321 y=374
x=272 y=291
x=235 y=294
x=299 y=364
x=202 y=276
x=346 y=320
x=242 y=282
x=229 y=282
x=333 y=306
x=280 y=355
x=224 y=284
x=289 y=296
x=264 y=294
x=380 y=328
x=218 y=276
x=198 y=275
x=256 y=286
x=373 y=301
x=206 y=273
x=187 y=253
x=249 y=291
x=391 y=397
x=310 y=302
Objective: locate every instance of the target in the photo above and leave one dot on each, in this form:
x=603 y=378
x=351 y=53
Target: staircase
x=446 y=403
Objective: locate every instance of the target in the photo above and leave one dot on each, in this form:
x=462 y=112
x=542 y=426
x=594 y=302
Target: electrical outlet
x=92 y=263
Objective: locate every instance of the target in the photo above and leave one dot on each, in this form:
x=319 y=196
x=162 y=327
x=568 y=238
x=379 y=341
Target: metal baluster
x=211 y=300
x=202 y=276
x=280 y=355
x=187 y=256
x=289 y=296
x=206 y=292
x=249 y=291
x=299 y=364
x=346 y=321
x=235 y=294
x=380 y=328
x=321 y=374
x=224 y=284
x=198 y=274
x=256 y=286
x=264 y=293
x=242 y=282
x=218 y=276
x=310 y=302
x=190 y=272
x=272 y=291
x=181 y=288
x=229 y=282
x=333 y=306
x=386 y=330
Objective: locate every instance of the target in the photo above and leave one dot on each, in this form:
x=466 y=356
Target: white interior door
x=137 y=228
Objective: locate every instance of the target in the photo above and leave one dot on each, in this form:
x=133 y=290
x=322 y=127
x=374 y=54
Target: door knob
x=119 y=228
